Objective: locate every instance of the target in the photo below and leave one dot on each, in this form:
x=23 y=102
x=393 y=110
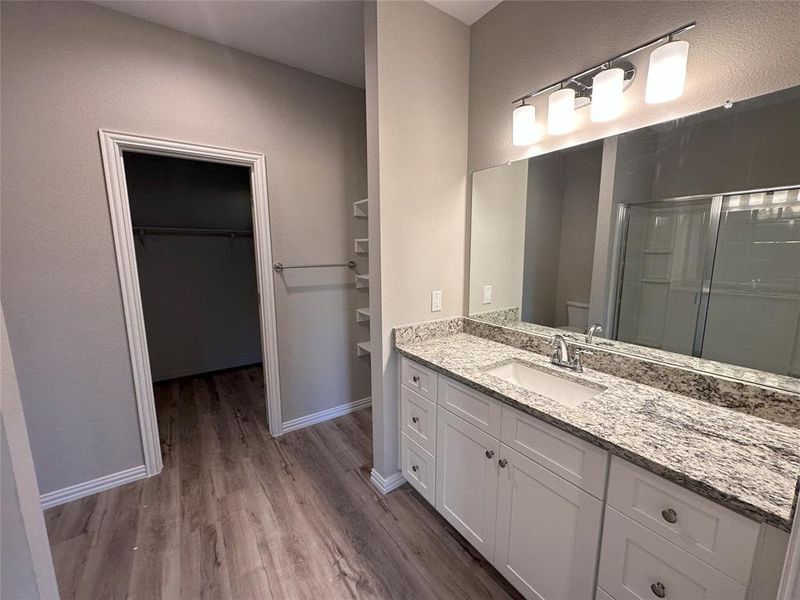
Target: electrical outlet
x=487 y=294
x=436 y=300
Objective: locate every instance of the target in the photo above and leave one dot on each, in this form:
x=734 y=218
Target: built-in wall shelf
x=362 y=246
x=360 y=209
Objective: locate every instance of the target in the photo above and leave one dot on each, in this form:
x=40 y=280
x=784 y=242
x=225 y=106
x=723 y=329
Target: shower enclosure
x=716 y=277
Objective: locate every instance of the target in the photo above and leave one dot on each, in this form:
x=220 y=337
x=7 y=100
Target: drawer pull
x=415 y=419
x=489 y=453
x=658 y=589
x=502 y=462
x=670 y=516
x=415 y=468
x=415 y=379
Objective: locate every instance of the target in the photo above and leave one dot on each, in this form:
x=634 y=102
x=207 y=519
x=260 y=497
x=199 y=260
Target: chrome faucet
x=596 y=328
x=561 y=356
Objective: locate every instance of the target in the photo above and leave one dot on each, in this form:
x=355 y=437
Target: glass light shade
x=666 y=74
x=607 y=94
x=524 y=128
x=561 y=111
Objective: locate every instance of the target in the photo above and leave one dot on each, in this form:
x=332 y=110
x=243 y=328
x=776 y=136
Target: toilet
x=577 y=317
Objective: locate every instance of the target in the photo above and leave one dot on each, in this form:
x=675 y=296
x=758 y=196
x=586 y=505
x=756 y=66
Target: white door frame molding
x=112 y=145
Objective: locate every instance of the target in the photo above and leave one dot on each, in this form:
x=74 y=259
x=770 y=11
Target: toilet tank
x=577 y=315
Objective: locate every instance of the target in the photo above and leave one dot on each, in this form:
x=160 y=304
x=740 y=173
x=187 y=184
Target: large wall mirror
x=682 y=237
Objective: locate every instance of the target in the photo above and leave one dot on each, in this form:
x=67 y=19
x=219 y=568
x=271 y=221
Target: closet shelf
x=362 y=315
x=362 y=281
x=147 y=230
x=361 y=208
x=363 y=349
x=362 y=246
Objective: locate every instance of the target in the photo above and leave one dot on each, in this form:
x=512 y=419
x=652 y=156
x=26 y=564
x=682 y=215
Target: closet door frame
x=112 y=145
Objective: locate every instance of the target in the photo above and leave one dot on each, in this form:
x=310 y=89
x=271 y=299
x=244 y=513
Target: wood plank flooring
x=237 y=514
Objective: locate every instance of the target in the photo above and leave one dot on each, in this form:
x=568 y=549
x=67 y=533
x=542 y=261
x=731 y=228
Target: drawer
x=419 y=468
x=602 y=595
x=579 y=462
x=722 y=538
x=418 y=378
x=418 y=417
x=637 y=564
x=475 y=408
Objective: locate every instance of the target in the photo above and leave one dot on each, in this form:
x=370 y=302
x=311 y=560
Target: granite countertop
x=745 y=463
x=672 y=359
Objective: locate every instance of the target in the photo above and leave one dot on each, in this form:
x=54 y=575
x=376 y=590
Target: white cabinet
x=548 y=531
x=418 y=419
x=577 y=461
x=602 y=595
x=419 y=468
x=531 y=498
x=418 y=378
x=721 y=538
x=637 y=564
x=478 y=409
x=466 y=479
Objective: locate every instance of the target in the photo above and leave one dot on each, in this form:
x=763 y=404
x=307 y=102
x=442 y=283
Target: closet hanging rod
x=351 y=264
x=192 y=231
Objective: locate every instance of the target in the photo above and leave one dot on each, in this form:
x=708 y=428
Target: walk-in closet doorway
x=147 y=225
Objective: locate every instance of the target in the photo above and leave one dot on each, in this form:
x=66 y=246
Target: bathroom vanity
x=587 y=485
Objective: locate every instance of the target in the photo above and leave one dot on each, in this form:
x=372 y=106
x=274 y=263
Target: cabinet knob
x=489 y=453
x=415 y=468
x=415 y=419
x=415 y=379
x=658 y=589
x=502 y=462
x=669 y=515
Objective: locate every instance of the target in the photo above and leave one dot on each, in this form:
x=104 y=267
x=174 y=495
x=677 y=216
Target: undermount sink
x=564 y=391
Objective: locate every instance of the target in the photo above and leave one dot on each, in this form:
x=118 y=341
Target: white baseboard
x=325 y=415
x=205 y=370
x=386 y=484
x=93 y=486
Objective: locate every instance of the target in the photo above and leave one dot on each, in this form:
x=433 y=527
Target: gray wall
x=560 y=221
x=26 y=567
x=497 y=236
x=418 y=175
x=755 y=144
x=542 y=239
x=738 y=50
x=69 y=69
x=581 y=191
x=199 y=293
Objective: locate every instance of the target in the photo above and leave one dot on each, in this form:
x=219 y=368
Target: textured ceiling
x=323 y=37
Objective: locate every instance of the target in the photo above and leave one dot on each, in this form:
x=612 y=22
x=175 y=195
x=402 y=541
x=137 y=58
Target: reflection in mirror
x=681 y=237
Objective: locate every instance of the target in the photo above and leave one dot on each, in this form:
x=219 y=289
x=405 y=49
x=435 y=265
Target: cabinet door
x=548 y=531
x=637 y=564
x=466 y=479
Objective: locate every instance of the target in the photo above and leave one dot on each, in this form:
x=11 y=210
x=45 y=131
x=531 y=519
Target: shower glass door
x=662 y=274
x=716 y=277
x=754 y=300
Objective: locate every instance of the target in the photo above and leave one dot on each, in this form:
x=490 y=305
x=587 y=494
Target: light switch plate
x=436 y=300
x=487 y=294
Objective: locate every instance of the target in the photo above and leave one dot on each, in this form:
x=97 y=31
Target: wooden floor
x=237 y=514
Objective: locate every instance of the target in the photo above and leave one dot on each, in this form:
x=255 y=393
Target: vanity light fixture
x=561 y=111
x=666 y=74
x=602 y=87
x=607 y=88
x=524 y=125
